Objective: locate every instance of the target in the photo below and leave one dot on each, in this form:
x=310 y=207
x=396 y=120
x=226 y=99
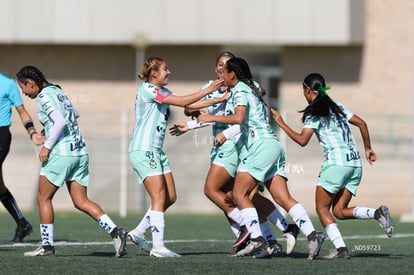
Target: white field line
x=64 y=243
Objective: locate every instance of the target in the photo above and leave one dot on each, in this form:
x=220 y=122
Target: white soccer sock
x=46 y=233
x=364 y=213
x=334 y=235
x=278 y=220
x=251 y=220
x=106 y=223
x=235 y=228
x=267 y=231
x=157 y=228
x=301 y=218
x=144 y=224
x=236 y=216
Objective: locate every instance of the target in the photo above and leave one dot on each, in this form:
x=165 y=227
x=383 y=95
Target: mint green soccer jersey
x=255 y=125
x=216 y=109
x=335 y=137
x=151 y=118
x=70 y=142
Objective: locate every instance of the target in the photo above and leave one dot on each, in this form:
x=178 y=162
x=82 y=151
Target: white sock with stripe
x=301 y=218
x=157 y=228
x=364 y=213
x=251 y=220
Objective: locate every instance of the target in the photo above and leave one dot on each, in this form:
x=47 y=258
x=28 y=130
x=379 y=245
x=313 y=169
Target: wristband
x=192 y=124
x=29 y=125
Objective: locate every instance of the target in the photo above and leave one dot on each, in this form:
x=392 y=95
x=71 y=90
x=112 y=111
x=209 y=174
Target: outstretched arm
x=182 y=127
x=363 y=128
x=236 y=118
x=208 y=102
x=185 y=100
x=301 y=138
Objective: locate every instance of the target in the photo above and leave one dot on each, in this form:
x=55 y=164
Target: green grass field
x=205 y=243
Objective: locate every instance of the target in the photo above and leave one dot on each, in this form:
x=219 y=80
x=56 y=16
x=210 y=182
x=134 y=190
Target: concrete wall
x=182 y=22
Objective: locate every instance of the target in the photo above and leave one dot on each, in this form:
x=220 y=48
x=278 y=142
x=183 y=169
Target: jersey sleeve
x=161 y=95
x=240 y=98
x=14 y=95
x=311 y=122
x=348 y=113
x=45 y=103
x=151 y=93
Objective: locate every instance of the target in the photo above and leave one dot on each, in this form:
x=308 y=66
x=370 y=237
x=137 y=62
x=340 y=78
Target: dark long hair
x=242 y=70
x=322 y=105
x=33 y=73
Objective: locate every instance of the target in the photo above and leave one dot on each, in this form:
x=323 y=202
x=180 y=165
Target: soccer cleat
x=291 y=235
x=314 y=245
x=41 y=251
x=276 y=246
x=120 y=241
x=382 y=215
x=240 y=247
x=140 y=241
x=22 y=232
x=243 y=236
x=163 y=252
x=340 y=253
x=257 y=247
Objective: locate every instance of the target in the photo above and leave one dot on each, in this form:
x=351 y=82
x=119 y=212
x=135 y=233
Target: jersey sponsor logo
x=221 y=155
x=78 y=144
x=352 y=156
x=61 y=97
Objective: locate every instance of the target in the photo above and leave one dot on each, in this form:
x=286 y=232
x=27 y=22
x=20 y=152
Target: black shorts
x=5 y=140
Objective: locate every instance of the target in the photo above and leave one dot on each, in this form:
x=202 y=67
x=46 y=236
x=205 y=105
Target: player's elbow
x=302 y=142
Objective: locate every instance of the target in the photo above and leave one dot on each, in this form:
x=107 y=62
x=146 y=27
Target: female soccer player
x=150 y=163
x=262 y=159
x=64 y=158
x=220 y=178
x=341 y=171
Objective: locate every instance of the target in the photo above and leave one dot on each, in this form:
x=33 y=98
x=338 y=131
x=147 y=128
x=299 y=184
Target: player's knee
x=338 y=213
